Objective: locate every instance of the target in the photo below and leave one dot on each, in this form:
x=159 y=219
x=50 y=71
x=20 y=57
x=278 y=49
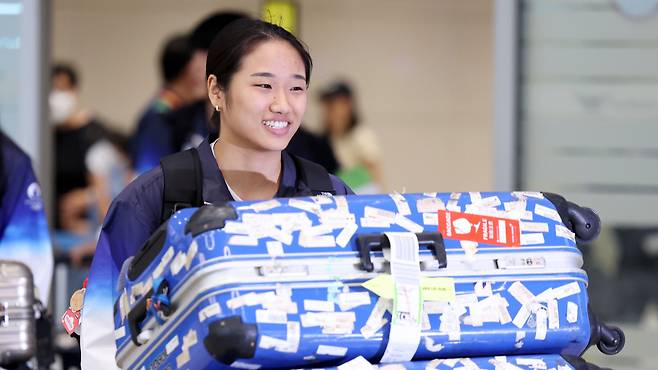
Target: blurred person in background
x=24 y=237
x=157 y=135
x=178 y=118
x=90 y=167
x=354 y=144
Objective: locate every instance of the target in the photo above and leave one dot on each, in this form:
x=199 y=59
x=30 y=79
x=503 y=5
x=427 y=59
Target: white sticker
x=292 y=339
x=372 y=212
x=244 y=240
x=431 y=346
x=503 y=313
x=191 y=253
x=280 y=235
x=547 y=212
x=171 y=345
x=401 y=204
x=341 y=203
x=521 y=317
x=538 y=227
x=564 y=232
x=483 y=289
x=304 y=205
x=489 y=202
x=531 y=194
x=331 y=350
x=521 y=293
x=545 y=296
x=407 y=224
x=358 y=363
x=321 y=229
x=375 y=222
x=233 y=227
x=376 y=319
x=435 y=306
x=323 y=199
x=245 y=365
x=429 y=205
x=470 y=247
x=527 y=215
x=274 y=248
x=189 y=339
x=553 y=315
x=566 y=290
x=271 y=317
x=209 y=311
x=182 y=359
x=572 y=312
x=317 y=241
x=166 y=258
x=267 y=342
x=120 y=333
x=316 y=305
x=178 y=263
x=265 y=206
x=534 y=363
x=346 y=234
x=431 y=219
x=469 y=364
x=542 y=324
x=348 y=301
x=532 y=239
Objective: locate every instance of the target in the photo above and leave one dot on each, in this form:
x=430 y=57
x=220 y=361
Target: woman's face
x=266 y=98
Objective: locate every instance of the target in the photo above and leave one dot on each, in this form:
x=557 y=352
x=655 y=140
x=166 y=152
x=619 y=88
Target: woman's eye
x=297 y=88
x=264 y=86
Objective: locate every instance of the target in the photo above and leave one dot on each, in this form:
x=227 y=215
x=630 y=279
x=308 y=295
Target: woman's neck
x=251 y=174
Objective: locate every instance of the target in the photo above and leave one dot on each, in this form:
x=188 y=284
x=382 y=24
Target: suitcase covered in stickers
x=316 y=281
x=519 y=362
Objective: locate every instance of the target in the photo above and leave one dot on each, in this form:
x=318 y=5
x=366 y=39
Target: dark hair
x=341 y=89
x=204 y=32
x=175 y=56
x=238 y=39
x=67 y=70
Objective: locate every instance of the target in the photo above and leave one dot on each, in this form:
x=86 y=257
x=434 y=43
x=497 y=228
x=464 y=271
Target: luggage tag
x=71 y=318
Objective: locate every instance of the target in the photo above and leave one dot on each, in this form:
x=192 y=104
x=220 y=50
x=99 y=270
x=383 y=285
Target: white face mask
x=62 y=105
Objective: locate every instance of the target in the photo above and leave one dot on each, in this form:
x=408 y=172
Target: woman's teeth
x=275 y=124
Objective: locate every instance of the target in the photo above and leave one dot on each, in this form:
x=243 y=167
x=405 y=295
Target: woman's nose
x=280 y=103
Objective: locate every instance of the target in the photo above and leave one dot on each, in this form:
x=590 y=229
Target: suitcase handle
x=371 y=242
x=138 y=313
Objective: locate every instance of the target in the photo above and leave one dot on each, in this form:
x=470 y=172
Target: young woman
x=257 y=78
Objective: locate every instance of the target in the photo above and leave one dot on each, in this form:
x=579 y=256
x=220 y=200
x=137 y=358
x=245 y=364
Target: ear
x=215 y=93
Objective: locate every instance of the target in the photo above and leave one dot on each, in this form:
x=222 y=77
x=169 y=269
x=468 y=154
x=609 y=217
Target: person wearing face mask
x=89 y=167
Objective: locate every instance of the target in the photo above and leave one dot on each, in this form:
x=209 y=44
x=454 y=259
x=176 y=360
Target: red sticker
x=479 y=228
x=70 y=320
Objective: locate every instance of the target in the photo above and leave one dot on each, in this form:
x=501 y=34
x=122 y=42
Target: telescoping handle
x=376 y=242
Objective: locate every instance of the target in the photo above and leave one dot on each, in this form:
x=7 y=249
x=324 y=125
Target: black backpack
x=183 y=180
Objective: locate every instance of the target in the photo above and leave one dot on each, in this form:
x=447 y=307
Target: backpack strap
x=314 y=176
x=183 y=182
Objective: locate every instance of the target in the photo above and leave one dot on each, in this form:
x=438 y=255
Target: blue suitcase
x=527 y=362
x=279 y=283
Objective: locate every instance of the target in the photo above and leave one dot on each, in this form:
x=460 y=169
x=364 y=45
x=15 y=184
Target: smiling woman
x=257 y=79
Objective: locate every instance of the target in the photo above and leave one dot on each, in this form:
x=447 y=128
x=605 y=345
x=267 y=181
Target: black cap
x=203 y=34
x=336 y=89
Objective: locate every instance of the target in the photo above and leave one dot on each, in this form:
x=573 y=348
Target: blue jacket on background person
x=23 y=225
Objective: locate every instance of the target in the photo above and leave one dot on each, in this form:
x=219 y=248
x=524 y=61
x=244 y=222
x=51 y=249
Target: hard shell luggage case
x=17 y=314
x=278 y=284
x=522 y=362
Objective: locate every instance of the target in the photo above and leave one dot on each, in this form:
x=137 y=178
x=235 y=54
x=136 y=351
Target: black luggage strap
x=183 y=182
x=314 y=176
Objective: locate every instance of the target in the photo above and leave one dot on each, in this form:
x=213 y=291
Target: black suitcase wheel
x=612 y=340
x=585 y=223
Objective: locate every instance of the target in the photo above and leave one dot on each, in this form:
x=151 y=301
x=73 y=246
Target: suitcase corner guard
x=230 y=339
x=210 y=217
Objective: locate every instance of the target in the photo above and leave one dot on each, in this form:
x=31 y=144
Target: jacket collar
x=214 y=185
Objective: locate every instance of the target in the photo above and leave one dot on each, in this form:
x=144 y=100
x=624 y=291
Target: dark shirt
x=162 y=131
x=314 y=148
